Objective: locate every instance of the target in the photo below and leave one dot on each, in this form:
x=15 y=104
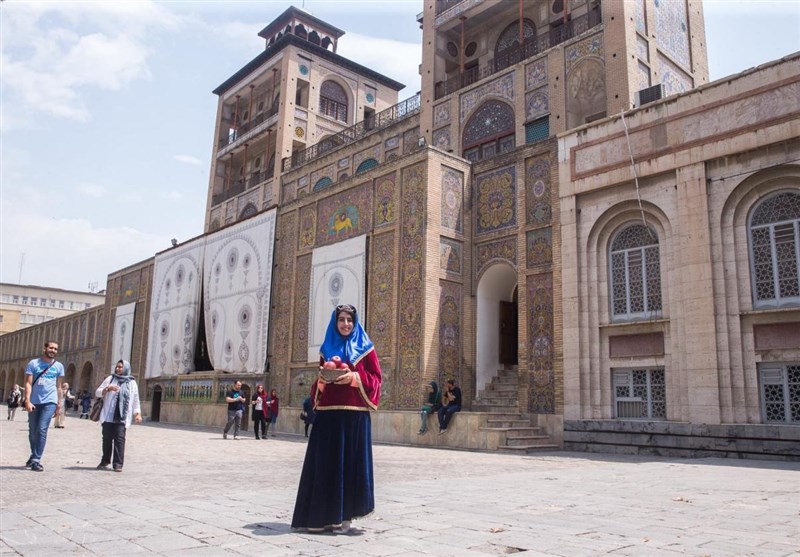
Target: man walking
x=43 y=398
x=235 y=402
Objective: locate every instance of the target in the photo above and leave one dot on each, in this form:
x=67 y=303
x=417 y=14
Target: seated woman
x=431 y=405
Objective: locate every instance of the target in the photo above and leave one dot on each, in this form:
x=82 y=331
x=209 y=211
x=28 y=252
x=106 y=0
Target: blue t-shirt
x=44 y=390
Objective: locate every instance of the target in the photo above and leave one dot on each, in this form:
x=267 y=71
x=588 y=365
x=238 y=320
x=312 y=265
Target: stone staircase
x=507 y=429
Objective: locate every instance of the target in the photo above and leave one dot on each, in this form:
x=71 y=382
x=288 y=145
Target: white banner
x=337 y=277
x=123 y=332
x=174 y=312
x=237 y=279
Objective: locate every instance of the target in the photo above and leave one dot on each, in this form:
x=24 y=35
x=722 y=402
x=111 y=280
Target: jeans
x=446 y=414
x=113 y=444
x=423 y=420
x=234 y=417
x=38 y=423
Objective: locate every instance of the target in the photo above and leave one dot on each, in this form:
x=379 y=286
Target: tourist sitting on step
x=451 y=403
x=430 y=406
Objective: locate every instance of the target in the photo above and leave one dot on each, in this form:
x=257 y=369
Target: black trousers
x=259 y=421
x=113 y=438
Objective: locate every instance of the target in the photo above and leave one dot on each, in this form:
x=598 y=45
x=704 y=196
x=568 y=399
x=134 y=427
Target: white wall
x=497 y=284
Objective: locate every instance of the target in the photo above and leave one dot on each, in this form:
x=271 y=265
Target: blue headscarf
x=124 y=379
x=351 y=348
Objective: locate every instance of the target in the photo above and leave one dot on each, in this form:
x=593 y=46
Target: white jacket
x=110 y=402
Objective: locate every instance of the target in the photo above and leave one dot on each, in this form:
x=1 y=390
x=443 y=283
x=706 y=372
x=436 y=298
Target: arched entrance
x=69 y=376
x=84 y=383
x=497 y=329
x=155 y=407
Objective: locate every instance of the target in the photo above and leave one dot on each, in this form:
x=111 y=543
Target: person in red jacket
x=336 y=484
x=272 y=411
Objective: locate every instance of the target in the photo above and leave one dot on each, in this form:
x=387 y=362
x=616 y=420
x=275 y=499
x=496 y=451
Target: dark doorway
x=509 y=332
x=155 y=408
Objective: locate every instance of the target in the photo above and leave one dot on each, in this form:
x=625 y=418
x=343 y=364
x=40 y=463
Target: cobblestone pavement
x=186 y=491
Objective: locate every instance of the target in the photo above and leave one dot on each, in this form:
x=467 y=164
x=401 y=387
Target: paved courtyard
x=186 y=491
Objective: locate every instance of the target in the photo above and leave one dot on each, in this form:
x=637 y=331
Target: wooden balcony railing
x=379 y=121
x=518 y=53
x=246 y=127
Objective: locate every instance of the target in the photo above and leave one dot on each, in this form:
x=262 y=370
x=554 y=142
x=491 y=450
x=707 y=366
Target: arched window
x=333 y=101
x=489 y=131
x=322 y=183
x=248 y=211
x=509 y=38
x=635 y=271
x=774 y=232
x=366 y=165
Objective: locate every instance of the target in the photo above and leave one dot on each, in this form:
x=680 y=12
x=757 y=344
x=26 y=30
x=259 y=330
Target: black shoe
x=102 y=466
x=36 y=467
x=29 y=462
x=117 y=468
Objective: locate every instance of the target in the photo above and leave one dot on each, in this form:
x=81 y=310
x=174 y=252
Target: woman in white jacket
x=120 y=407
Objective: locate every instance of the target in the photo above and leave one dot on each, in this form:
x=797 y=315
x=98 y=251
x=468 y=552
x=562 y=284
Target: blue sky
x=107 y=115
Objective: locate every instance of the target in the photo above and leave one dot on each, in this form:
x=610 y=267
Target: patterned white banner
x=337 y=277
x=174 y=312
x=237 y=279
x=123 y=332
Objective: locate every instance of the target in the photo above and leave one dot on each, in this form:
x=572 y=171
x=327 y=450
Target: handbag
x=97 y=408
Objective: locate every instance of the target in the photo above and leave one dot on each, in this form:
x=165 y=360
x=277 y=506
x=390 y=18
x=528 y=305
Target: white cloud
x=188 y=159
x=395 y=59
x=68 y=253
x=91 y=190
x=53 y=53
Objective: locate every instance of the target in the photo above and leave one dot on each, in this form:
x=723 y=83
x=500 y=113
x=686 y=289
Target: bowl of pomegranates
x=333 y=369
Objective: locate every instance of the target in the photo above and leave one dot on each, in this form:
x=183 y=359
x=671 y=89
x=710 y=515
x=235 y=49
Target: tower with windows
x=296 y=94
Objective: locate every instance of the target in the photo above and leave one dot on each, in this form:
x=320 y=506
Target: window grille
x=366 y=165
x=322 y=183
x=780 y=392
x=537 y=130
x=775 y=250
x=333 y=101
x=635 y=271
x=640 y=394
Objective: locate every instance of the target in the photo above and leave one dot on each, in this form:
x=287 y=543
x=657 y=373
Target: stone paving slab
x=187 y=492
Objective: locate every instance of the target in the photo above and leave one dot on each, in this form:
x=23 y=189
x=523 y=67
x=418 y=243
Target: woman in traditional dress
x=121 y=406
x=337 y=485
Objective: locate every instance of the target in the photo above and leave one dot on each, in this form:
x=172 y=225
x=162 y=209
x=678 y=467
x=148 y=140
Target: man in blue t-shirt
x=43 y=378
x=235 y=401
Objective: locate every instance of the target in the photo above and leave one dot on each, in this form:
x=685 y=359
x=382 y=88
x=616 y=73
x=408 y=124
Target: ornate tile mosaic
x=450 y=255
x=410 y=301
x=452 y=199
x=501 y=250
x=642 y=76
x=381 y=294
x=344 y=215
x=496 y=195
x=441 y=114
x=540 y=344
x=392 y=142
x=641 y=17
x=501 y=87
x=672 y=32
x=441 y=138
x=288 y=194
x=593 y=46
x=643 y=49
x=410 y=138
x=536 y=74
x=301 y=293
x=586 y=90
x=539 y=247
x=308 y=221
x=371 y=153
x=325 y=172
x=385 y=209
x=538 y=208
x=675 y=80
x=450 y=330
x=537 y=104
x=344 y=163
x=283 y=281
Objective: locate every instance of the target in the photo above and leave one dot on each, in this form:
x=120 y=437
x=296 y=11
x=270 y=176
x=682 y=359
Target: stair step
x=494 y=408
x=527 y=448
x=508 y=424
x=527 y=441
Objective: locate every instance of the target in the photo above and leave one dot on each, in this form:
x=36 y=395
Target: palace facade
x=568 y=219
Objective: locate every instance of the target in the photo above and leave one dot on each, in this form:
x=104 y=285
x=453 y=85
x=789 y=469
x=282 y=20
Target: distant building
x=23 y=305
